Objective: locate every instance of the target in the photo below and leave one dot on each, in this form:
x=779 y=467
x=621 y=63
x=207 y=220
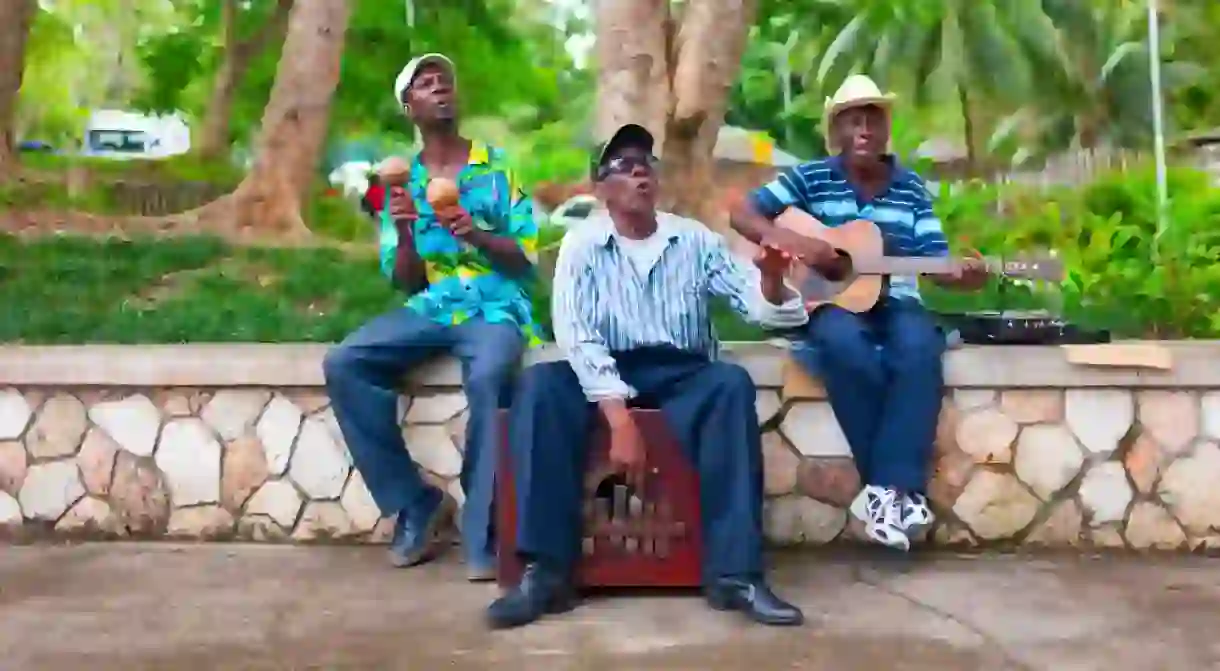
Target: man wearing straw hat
x=882 y=369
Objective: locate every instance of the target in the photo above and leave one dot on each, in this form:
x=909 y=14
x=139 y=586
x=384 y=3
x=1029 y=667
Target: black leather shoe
x=541 y=592
x=755 y=599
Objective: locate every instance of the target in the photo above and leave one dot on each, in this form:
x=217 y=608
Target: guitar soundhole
x=815 y=287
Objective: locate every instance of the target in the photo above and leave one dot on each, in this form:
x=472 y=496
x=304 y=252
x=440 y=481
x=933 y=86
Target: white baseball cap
x=403 y=81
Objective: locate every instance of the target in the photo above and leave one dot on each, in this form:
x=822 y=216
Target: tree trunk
x=968 y=130
x=238 y=54
x=671 y=72
x=293 y=131
x=16 y=17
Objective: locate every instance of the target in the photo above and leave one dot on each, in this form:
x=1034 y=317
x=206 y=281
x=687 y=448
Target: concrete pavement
x=113 y=606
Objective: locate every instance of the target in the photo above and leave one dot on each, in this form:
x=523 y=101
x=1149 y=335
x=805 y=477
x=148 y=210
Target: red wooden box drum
x=631 y=539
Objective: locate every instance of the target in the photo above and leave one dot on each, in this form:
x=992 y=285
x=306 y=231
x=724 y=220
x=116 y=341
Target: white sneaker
x=916 y=514
x=881 y=510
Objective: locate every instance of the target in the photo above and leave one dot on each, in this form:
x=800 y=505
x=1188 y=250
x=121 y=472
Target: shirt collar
x=480 y=154
x=606 y=233
x=897 y=170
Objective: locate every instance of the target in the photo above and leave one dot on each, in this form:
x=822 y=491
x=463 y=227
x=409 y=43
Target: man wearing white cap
x=465 y=259
x=882 y=369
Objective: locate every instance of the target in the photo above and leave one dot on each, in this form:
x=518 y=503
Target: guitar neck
x=916 y=265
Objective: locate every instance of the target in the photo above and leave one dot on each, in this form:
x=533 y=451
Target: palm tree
x=1096 y=87
x=971 y=49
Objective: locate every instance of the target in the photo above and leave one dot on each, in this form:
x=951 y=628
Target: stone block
x=277 y=500
x=319 y=466
x=13 y=466
x=833 y=480
x=90 y=515
x=799 y=385
x=811 y=426
x=10 y=512
x=995 y=506
x=1032 y=406
x=432 y=448
x=50 y=489
x=970 y=399
x=233 y=412
x=133 y=422
x=1150 y=527
x=1170 y=417
x=96 y=460
x=1209 y=410
x=58 y=429
x=15 y=414
x=1189 y=488
x=359 y=504
x=138 y=494
x=779 y=464
x=189 y=456
x=244 y=469
x=277 y=431
x=436 y=408
x=1047 y=459
x=1145 y=460
x=1099 y=417
x=986 y=435
x=201 y=522
x=767 y=405
x=1105 y=493
x=1062 y=528
x=323 y=520
x=793 y=520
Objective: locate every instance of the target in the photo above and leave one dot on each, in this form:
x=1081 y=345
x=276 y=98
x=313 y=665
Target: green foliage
x=1120 y=274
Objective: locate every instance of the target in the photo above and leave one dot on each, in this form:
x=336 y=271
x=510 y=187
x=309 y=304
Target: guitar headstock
x=1045 y=267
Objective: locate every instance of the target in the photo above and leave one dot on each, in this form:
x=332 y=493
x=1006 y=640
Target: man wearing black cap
x=631 y=314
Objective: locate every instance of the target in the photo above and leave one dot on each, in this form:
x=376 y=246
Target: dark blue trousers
x=363 y=376
x=709 y=408
x=884 y=380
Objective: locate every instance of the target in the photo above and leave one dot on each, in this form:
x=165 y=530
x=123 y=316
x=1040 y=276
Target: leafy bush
x=1121 y=275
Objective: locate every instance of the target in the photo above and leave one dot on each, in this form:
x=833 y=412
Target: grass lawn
x=73 y=289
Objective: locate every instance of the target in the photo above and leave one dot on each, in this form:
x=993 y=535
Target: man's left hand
x=458 y=221
x=772 y=261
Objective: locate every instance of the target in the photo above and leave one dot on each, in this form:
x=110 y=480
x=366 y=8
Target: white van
x=126 y=135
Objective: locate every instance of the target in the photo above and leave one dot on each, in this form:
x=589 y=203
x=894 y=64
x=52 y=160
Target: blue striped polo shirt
x=902 y=210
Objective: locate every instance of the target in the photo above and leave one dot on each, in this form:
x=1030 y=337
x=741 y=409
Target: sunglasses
x=623 y=165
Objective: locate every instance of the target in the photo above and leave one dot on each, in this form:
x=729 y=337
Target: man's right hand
x=402 y=206
x=810 y=251
x=627 y=452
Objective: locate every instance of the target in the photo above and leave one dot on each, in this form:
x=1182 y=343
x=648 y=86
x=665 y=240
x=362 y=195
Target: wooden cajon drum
x=653 y=540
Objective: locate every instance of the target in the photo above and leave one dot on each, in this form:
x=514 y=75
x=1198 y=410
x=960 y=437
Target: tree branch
x=710 y=44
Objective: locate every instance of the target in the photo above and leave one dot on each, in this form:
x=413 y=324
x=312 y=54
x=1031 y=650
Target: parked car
x=573 y=211
x=118 y=134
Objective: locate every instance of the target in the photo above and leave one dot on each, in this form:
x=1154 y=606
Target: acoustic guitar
x=863 y=243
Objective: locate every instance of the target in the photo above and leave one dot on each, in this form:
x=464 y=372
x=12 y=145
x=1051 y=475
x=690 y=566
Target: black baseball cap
x=629 y=135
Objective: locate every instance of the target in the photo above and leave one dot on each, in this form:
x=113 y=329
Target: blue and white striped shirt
x=602 y=303
x=903 y=209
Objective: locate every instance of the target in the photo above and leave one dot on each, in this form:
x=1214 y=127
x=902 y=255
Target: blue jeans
x=884 y=380
x=363 y=376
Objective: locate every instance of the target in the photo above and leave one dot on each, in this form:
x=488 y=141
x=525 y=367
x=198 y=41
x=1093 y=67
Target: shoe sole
x=556 y=607
x=480 y=574
x=726 y=604
x=431 y=547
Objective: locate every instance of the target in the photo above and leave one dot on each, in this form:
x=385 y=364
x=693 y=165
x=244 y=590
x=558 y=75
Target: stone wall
x=211 y=441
